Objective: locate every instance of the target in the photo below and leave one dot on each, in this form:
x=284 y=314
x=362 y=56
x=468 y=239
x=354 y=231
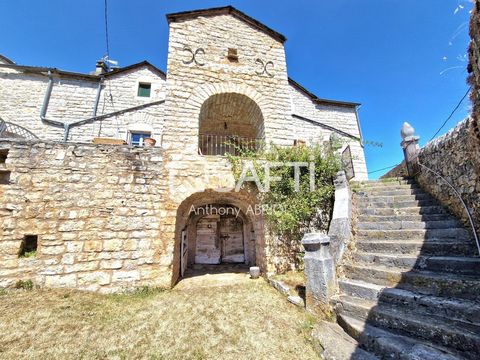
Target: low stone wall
x=474 y=68
x=398 y=171
x=457 y=159
x=95 y=211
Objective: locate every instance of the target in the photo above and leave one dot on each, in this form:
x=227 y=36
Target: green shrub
x=28 y=254
x=24 y=284
x=290 y=213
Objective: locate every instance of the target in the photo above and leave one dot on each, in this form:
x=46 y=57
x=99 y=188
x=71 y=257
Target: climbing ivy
x=291 y=213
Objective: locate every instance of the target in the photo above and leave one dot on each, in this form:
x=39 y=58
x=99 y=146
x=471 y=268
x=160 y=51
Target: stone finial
x=407 y=130
x=314 y=241
x=410 y=147
x=408 y=134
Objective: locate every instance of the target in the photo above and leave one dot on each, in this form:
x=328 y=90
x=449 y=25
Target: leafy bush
x=291 y=213
x=24 y=284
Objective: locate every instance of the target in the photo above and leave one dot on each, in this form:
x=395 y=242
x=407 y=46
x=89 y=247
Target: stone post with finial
x=410 y=147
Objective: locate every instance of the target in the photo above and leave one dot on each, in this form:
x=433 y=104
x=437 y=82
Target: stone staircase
x=411 y=289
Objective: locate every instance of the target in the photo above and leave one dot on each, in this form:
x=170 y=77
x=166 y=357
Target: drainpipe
x=46 y=100
x=94 y=112
x=358 y=124
x=97 y=98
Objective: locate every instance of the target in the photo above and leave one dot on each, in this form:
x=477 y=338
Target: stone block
x=93 y=246
x=65 y=281
x=126 y=276
x=81 y=267
x=112 y=245
x=52 y=250
x=111 y=264
x=97 y=277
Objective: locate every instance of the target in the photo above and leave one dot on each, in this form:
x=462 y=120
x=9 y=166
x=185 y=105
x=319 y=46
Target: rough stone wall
x=456 y=155
x=398 y=171
x=455 y=158
x=474 y=70
x=190 y=85
x=96 y=211
x=339 y=117
x=72 y=99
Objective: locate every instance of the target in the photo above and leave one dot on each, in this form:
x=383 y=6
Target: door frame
x=183 y=252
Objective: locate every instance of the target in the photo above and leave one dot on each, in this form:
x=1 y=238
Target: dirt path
x=207 y=316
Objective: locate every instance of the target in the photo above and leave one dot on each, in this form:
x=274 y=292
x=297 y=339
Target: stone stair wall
x=410 y=287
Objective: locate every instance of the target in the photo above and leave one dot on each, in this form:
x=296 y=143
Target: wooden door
x=207 y=250
x=231 y=235
x=183 y=253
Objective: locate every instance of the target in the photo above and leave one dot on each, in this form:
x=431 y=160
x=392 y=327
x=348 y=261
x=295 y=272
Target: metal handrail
x=209 y=144
x=17 y=130
x=461 y=200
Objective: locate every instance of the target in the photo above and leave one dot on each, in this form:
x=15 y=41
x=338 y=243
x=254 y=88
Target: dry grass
x=293 y=279
x=247 y=321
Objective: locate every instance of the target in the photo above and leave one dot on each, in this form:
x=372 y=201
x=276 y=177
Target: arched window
x=229 y=122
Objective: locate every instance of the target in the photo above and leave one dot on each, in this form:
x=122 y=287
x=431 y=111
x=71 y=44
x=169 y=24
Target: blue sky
x=402 y=59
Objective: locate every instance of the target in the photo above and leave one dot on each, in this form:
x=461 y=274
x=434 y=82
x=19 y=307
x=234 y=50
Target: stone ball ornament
x=407 y=130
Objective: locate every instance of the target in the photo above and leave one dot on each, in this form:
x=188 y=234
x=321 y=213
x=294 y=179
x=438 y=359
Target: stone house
x=104 y=217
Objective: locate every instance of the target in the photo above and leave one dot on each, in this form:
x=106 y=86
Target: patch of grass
x=293 y=279
x=242 y=320
x=3 y=292
x=29 y=254
x=24 y=284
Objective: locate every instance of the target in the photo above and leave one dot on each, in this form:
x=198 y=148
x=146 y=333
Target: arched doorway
x=229 y=122
x=214 y=228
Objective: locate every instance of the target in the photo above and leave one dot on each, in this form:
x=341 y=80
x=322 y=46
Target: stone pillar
x=340 y=226
x=319 y=270
x=410 y=148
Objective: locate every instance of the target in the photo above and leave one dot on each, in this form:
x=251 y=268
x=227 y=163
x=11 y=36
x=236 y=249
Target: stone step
x=407 y=225
x=424 y=282
x=457 y=309
x=424 y=247
x=395 y=204
x=386 y=187
x=360 y=289
x=389 y=199
x=392 y=346
x=460 y=310
x=386 y=182
x=417 y=217
x=453 y=264
x=411 y=190
x=458 y=335
x=336 y=344
x=412 y=210
x=452 y=233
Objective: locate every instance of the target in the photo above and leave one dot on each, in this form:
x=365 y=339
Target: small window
x=144 y=89
x=4 y=177
x=232 y=55
x=137 y=138
x=29 y=246
x=3 y=155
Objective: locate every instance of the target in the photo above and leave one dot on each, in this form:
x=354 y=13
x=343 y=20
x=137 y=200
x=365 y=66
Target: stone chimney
x=100 y=67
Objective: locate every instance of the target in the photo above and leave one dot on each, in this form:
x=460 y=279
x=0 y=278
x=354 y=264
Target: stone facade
x=73 y=97
x=111 y=217
x=96 y=213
